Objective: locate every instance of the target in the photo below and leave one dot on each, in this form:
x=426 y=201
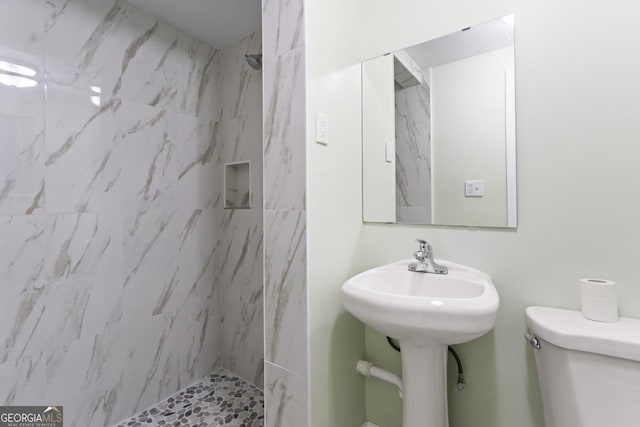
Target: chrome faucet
x=425 y=263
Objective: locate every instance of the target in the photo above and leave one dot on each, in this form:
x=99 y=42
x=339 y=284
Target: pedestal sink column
x=424 y=383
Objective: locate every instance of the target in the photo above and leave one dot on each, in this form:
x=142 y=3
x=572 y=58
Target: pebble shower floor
x=219 y=399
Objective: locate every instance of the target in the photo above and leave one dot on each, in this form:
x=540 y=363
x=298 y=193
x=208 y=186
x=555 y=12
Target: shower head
x=254 y=61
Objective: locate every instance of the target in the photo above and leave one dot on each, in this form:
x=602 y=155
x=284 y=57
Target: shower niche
x=237 y=185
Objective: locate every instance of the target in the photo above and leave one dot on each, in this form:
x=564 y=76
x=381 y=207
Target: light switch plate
x=322 y=128
x=388 y=151
x=474 y=188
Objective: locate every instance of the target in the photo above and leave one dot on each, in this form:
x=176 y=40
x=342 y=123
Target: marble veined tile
x=151 y=367
x=170 y=263
x=82 y=166
x=23 y=324
x=112 y=296
x=78 y=246
x=200 y=340
x=413 y=154
x=88 y=380
x=86 y=40
x=150 y=262
x=286 y=402
x=198 y=247
x=103 y=379
x=24 y=248
x=242 y=142
x=413 y=215
x=62 y=280
x=164 y=67
x=240 y=133
x=285 y=21
x=85 y=275
x=22 y=380
x=147 y=70
x=22 y=25
x=197 y=155
x=196 y=83
x=110 y=44
x=285 y=290
x=284 y=132
x=240 y=85
x=21 y=327
x=25 y=242
x=242 y=138
x=242 y=272
x=149 y=168
x=22 y=107
x=22 y=149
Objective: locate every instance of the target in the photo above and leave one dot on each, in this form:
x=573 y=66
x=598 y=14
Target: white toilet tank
x=589 y=371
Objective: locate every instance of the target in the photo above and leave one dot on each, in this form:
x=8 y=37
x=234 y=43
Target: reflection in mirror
x=439 y=131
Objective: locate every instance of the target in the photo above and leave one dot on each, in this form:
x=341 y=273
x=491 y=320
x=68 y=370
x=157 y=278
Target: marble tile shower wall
x=413 y=153
x=286 y=350
x=110 y=209
x=240 y=118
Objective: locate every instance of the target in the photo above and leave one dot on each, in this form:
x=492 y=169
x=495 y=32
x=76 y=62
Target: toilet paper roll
x=599 y=300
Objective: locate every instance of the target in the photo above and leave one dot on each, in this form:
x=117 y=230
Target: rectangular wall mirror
x=439 y=134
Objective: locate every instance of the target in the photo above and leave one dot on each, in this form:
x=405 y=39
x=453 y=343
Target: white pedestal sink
x=426 y=312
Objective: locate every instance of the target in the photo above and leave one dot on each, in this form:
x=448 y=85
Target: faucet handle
x=424 y=245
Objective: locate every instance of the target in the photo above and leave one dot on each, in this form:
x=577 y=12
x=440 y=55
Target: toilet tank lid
x=569 y=329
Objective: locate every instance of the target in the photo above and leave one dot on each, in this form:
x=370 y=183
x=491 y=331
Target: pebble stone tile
x=219 y=399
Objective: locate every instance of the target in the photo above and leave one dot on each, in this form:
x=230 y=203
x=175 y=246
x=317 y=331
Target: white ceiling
x=218 y=22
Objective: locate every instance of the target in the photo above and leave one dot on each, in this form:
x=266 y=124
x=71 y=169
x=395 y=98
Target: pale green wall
x=468 y=139
x=578 y=154
x=378 y=130
x=334 y=222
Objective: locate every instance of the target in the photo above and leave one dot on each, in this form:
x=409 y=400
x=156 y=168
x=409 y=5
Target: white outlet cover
x=474 y=188
x=322 y=128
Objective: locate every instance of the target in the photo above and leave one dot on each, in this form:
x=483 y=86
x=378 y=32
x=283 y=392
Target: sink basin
x=426 y=312
x=423 y=307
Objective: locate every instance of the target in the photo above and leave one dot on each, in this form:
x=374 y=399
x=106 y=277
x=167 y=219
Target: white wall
x=335 y=210
x=577 y=91
x=468 y=140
